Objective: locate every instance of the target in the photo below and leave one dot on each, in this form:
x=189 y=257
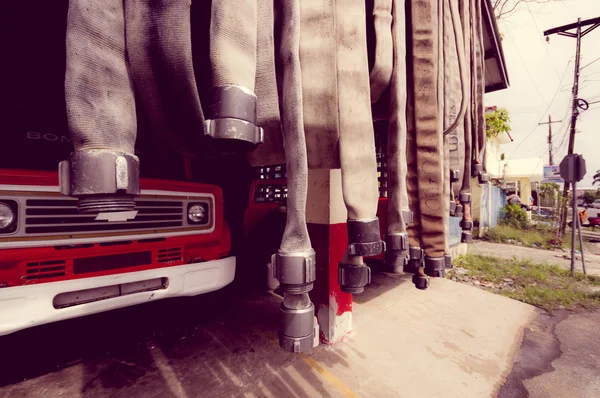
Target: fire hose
x=313 y=95
x=294 y=263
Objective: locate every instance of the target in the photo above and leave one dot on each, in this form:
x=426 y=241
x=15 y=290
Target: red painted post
x=326 y=219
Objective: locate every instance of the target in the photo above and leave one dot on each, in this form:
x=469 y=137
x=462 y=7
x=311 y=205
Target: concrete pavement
x=452 y=340
x=559 y=357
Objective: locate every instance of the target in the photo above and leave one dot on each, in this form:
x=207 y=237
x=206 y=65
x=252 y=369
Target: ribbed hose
x=465 y=191
x=295 y=237
x=428 y=138
x=396 y=148
x=233 y=32
x=357 y=139
x=233 y=53
x=479 y=137
x=462 y=62
x=412 y=180
x=452 y=84
x=100 y=108
x=267 y=107
x=356 y=144
x=441 y=51
x=159 y=46
x=381 y=73
x=296 y=332
x=318 y=45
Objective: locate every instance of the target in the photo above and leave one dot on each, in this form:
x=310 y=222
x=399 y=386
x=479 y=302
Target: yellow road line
x=329 y=377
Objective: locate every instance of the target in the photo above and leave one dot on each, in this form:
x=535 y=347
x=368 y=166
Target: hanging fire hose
x=315 y=93
x=356 y=146
x=294 y=263
x=429 y=172
x=102 y=171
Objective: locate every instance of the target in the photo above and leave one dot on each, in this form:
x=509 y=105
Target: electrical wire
x=545 y=112
x=528 y=73
x=582 y=68
x=545 y=45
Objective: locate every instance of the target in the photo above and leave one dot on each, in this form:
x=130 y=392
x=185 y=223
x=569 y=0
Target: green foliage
x=514 y=216
x=502 y=156
x=590 y=196
x=596 y=178
x=497 y=122
x=548 y=189
x=528 y=238
x=547 y=286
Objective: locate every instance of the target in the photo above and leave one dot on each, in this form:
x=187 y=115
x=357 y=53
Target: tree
x=596 y=178
x=548 y=189
x=496 y=121
x=505 y=8
x=589 y=196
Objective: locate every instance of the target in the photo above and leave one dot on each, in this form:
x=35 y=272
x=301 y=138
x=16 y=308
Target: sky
x=541 y=77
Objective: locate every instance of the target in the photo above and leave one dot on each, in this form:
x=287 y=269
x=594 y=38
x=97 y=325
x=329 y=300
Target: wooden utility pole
x=549 y=123
x=578 y=34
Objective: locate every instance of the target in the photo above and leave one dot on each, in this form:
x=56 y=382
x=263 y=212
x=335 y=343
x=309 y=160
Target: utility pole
x=549 y=123
x=591 y=24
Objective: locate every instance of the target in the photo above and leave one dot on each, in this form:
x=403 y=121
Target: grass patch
x=542 y=238
x=542 y=285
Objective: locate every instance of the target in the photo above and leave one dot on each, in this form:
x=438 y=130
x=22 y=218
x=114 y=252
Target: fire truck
x=56 y=263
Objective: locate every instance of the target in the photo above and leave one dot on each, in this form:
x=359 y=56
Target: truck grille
x=45 y=269
x=60 y=216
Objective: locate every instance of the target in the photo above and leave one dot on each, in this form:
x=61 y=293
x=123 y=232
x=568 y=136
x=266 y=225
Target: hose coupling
x=435 y=266
x=466 y=225
x=364 y=238
x=448 y=259
x=466 y=237
x=295 y=272
x=459 y=210
x=102 y=180
x=454 y=175
x=353 y=278
x=298 y=329
x=415 y=260
x=484 y=178
x=464 y=197
x=396 y=254
x=407 y=216
x=421 y=282
x=452 y=208
x=231 y=119
x=477 y=169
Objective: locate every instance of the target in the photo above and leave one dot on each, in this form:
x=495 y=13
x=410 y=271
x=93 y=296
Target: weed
x=540 y=237
x=546 y=286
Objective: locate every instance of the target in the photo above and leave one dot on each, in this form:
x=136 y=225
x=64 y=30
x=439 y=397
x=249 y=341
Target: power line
x=544 y=114
x=527 y=70
x=545 y=45
x=583 y=67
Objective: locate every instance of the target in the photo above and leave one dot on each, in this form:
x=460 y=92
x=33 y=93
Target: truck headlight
x=198 y=213
x=7 y=217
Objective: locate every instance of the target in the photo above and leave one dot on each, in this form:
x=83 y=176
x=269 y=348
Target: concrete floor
x=559 y=357
x=449 y=341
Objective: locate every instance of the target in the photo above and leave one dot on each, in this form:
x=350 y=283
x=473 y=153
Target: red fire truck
x=56 y=263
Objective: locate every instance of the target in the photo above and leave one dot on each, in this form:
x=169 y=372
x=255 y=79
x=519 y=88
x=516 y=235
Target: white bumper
x=27 y=306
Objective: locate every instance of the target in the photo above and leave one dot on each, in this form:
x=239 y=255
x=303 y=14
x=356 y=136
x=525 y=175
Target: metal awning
x=496 y=75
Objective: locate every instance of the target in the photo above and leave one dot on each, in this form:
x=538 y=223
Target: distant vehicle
x=596 y=204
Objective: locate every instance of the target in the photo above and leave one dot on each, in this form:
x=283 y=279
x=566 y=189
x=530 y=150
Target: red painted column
x=326 y=219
